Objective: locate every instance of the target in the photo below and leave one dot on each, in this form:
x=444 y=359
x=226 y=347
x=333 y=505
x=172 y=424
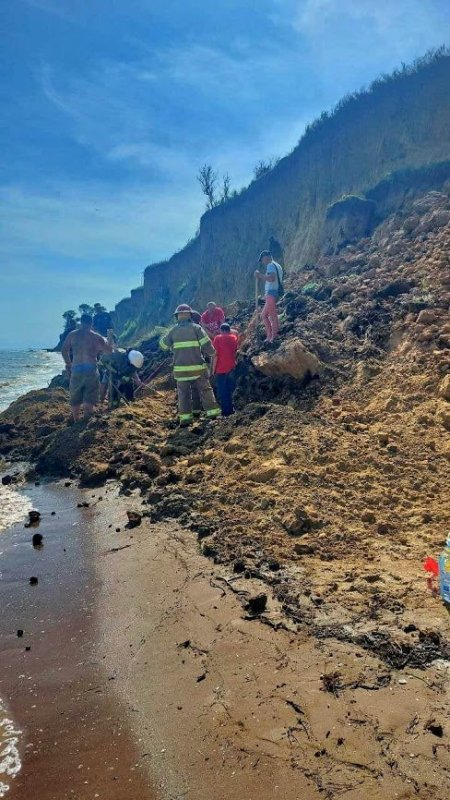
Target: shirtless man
x=80 y=351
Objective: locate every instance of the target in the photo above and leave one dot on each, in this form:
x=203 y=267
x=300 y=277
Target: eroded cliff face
x=379 y=146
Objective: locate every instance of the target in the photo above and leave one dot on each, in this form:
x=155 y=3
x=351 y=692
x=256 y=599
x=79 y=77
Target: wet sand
x=75 y=742
x=230 y=708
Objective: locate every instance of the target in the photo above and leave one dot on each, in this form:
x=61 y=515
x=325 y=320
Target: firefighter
x=190 y=344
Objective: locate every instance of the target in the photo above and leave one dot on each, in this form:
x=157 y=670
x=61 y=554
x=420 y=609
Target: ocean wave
x=15 y=507
x=10 y=763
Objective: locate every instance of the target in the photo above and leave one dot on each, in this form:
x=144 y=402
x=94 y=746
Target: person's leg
x=90 y=389
x=196 y=402
x=103 y=386
x=220 y=386
x=265 y=318
x=76 y=413
x=184 y=392
x=230 y=386
x=76 y=396
x=207 y=397
x=272 y=313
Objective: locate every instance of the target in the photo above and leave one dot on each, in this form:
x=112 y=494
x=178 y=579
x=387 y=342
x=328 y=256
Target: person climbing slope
x=273 y=290
x=223 y=366
x=190 y=345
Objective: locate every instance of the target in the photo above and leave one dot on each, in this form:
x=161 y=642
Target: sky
x=110 y=107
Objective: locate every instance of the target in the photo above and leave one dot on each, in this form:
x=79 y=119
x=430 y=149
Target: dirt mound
x=337 y=464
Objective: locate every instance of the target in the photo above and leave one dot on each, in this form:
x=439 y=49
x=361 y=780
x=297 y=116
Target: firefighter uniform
x=189 y=344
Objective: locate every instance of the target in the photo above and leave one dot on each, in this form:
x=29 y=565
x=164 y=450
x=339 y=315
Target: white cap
x=136 y=358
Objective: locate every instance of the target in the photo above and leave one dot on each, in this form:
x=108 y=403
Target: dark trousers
x=225 y=385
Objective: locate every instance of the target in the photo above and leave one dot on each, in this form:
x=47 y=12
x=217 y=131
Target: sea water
x=20 y=372
x=24 y=370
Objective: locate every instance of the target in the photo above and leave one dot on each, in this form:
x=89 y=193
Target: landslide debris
x=336 y=465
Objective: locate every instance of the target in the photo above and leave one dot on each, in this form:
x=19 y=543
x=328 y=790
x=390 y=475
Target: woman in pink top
x=212 y=319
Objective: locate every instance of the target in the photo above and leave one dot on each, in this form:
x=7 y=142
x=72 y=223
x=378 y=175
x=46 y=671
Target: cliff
x=376 y=145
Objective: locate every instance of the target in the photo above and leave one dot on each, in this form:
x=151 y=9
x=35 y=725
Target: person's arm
x=166 y=342
x=221 y=316
x=205 y=342
x=102 y=345
x=268 y=276
x=65 y=352
x=214 y=358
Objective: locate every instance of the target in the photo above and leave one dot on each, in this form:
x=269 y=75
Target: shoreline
x=75 y=740
x=204 y=699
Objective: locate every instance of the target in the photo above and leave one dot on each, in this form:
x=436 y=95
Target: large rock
x=292 y=358
x=346 y=221
x=444 y=388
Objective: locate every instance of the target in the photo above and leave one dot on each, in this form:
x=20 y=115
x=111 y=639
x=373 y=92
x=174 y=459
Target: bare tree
x=207 y=179
x=226 y=181
x=262 y=167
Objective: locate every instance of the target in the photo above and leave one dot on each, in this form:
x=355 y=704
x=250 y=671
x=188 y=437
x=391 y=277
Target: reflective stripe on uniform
x=213 y=412
x=190 y=368
x=179 y=345
x=204 y=340
x=189 y=378
x=185 y=417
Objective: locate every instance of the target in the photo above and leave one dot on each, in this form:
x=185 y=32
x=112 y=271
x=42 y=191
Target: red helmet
x=183 y=309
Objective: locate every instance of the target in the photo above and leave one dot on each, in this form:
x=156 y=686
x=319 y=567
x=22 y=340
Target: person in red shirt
x=223 y=365
x=212 y=319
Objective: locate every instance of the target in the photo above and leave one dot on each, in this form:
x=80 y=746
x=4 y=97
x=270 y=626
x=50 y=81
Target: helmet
x=183 y=309
x=136 y=358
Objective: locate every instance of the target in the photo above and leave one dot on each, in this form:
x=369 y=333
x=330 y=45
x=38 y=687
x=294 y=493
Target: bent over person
x=190 y=344
x=80 y=351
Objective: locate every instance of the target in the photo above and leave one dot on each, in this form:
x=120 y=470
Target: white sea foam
x=14 y=507
x=10 y=763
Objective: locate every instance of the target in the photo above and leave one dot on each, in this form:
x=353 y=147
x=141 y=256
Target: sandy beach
x=148 y=677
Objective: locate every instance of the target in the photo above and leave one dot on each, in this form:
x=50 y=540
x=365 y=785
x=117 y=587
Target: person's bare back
x=85 y=346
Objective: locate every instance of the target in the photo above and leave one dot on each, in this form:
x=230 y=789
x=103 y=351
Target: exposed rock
x=95 y=474
x=444 y=388
x=304 y=549
x=152 y=464
x=298 y=522
x=256 y=605
x=444 y=417
x=263 y=475
x=134 y=519
x=346 y=221
x=292 y=358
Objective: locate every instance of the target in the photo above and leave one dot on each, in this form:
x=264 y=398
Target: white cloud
x=385 y=30
x=91 y=223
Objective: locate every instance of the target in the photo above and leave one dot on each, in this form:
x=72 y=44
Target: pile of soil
x=330 y=483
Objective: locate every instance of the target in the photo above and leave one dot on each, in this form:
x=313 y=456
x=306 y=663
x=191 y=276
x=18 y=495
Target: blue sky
x=111 y=106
